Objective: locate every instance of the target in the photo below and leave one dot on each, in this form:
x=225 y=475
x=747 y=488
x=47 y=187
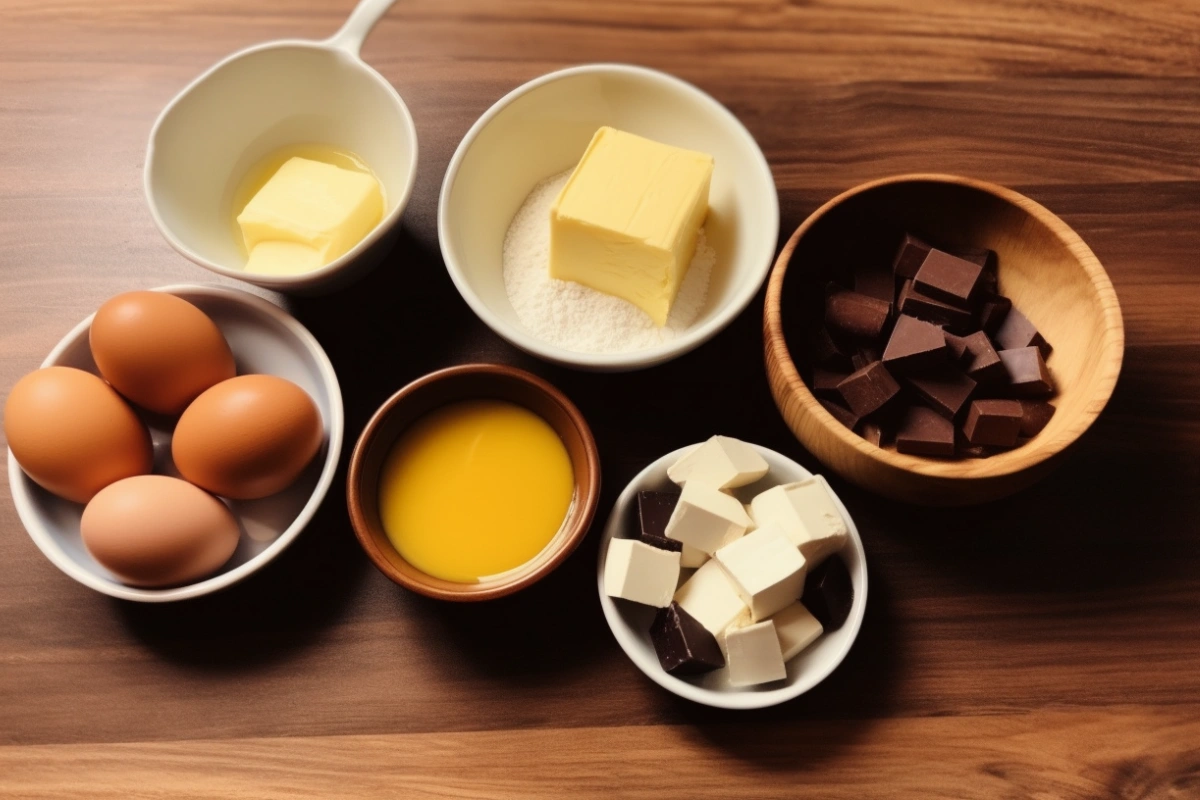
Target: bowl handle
x=362 y=20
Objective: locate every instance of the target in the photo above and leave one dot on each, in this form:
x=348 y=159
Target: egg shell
x=73 y=434
x=247 y=437
x=158 y=350
x=153 y=530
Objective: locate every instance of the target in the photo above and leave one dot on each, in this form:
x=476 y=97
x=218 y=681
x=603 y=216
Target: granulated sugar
x=573 y=316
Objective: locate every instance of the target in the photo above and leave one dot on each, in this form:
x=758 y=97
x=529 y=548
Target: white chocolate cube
x=740 y=621
x=797 y=629
x=722 y=462
x=753 y=655
x=636 y=571
x=805 y=512
x=766 y=569
x=692 y=558
x=710 y=598
x=706 y=518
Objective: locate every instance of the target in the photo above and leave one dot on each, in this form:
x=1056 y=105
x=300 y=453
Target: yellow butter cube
x=627 y=219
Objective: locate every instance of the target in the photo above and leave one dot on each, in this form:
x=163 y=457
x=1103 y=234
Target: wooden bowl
x=1044 y=267
x=470 y=382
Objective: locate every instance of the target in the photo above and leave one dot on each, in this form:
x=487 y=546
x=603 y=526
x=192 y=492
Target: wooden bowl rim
x=587 y=494
x=1019 y=459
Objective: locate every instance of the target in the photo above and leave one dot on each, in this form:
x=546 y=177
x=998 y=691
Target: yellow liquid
x=257 y=176
x=475 y=488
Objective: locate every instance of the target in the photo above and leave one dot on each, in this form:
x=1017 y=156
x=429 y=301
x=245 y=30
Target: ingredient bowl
x=630 y=622
x=437 y=389
x=1044 y=267
x=541 y=129
x=264 y=339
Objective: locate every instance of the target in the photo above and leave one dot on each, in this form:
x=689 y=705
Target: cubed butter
x=307 y=215
x=796 y=629
x=710 y=597
x=806 y=513
x=722 y=462
x=753 y=655
x=627 y=219
x=766 y=569
x=636 y=571
x=706 y=518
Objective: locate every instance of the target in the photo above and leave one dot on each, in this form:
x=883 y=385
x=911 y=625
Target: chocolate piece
x=975 y=451
x=662 y=542
x=683 y=645
x=1035 y=414
x=869 y=389
x=1027 y=373
x=912 y=302
x=992 y=312
x=914 y=345
x=864 y=356
x=947 y=390
x=873 y=433
x=911 y=253
x=875 y=282
x=825 y=382
x=948 y=278
x=956 y=348
x=984 y=366
x=925 y=432
x=856 y=314
x=978 y=255
x=654 y=510
x=993 y=422
x=828 y=593
x=840 y=413
x=1016 y=331
x=826 y=352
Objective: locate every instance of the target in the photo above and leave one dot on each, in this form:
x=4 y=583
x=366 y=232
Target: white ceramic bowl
x=264 y=339
x=255 y=102
x=541 y=129
x=630 y=622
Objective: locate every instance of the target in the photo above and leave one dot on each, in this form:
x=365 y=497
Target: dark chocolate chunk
x=978 y=255
x=825 y=352
x=825 y=382
x=948 y=278
x=873 y=432
x=654 y=511
x=869 y=389
x=946 y=390
x=1016 y=331
x=1027 y=373
x=841 y=413
x=864 y=356
x=993 y=422
x=992 y=312
x=956 y=347
x=662 y=542
x=828 y=593
x=875 y=282
x=1035 y=414
x=914 y=345
x=683 y=645
x=913 y=302
x=985 y=366
x=857 y=314
x=911 y=253
x=975 y=451
x=925 y=432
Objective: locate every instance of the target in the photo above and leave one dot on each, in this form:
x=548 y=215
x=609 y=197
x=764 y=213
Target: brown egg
x=158 y=350
x=73 y=434
x=247 y=437
x=153 y=530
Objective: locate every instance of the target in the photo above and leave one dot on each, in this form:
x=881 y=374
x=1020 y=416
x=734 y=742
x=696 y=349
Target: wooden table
x=1045 y=647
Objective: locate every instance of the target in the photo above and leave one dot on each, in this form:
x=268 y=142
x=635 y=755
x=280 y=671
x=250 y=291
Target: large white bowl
x=264 y=339
x=541 y=129
x=630 y=622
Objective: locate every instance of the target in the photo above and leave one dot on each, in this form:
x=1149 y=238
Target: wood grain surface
x=1043 y=647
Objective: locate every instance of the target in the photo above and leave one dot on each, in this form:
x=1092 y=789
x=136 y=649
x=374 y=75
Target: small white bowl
x=630 y=622
x=265 y=340
x=253 y=103
x=541 y=129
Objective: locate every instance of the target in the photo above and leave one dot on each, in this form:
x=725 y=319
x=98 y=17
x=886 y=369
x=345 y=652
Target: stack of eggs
x=240 y=437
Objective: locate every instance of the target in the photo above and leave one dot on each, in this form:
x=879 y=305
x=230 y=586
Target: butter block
x=796 y=629
x=635 y=571
x=706 y=518
x=722 y=462
x=806 y=513
x=626 y=221
x=308 y=213
x=766 y=569
x=710 y=598
x=753 y=655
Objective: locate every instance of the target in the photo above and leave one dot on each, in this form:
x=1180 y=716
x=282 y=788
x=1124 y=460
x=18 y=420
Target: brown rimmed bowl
x=471 y=382
x=1044 y=266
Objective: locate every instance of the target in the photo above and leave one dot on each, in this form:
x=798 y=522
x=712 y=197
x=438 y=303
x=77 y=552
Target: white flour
x=570 y=315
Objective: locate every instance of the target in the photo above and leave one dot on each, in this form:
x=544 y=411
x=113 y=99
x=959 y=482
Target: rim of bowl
x=637 y=359
x=737 y=700
x=316 y=276
x=19 y=484
x=1112 y=345
x=587 y=495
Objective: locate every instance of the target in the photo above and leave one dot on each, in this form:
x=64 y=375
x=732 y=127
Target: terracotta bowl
x=1044 y=267
x=470 y=382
